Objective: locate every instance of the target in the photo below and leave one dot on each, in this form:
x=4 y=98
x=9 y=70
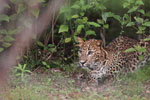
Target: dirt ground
x=57 y=85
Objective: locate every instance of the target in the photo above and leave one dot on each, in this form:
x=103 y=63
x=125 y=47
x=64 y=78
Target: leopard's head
x=91 y=53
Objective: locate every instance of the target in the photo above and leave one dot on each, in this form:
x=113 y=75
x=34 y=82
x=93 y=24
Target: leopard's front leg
x=96 y=76
x=100 y=75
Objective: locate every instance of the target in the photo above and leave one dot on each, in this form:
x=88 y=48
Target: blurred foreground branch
x=24 y=38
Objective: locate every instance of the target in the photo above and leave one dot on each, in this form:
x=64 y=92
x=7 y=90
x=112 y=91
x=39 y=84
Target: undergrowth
x=60 y=86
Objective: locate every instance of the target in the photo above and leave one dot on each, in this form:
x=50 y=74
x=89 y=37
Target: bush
x=105 y=19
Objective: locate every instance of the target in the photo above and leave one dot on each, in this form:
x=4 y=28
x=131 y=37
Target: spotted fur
x=111 y=60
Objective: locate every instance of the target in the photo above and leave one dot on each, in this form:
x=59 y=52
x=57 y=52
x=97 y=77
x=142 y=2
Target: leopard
x=112 y=60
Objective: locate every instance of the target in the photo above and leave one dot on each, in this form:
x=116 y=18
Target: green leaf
x=139 y=32
x=79 y=28
x=94 y=24
x=4 y=17
x=130 y=24
x=8 y=38
x=105 y=16
x=82 y=2
x=35 y=13
x=142 y=28
x=75 y=38
x=133 y=9
x=101 y=7
x=40 y=44
x=3 y=31
x=82 y=13
x=90 y=32
x=106 y=26
x=126 y=5
x=85 y=7
x=126 y=17
x=67 y=40
x=28 y=71
x=139 y=2
x=1 y=49
x=44 y=63
x=130 y=50
x=65 y=9
x=20 y=66
x=79 y=21
x=18 y=74
x=100 y=21
x=63 y=28
x=12 y=31
x=75 y=6
x=141 y=11
x=147 y=39
x=140 y=49
x=117 y=17
x=52 y=50
x=85 y=19
x=147 y=24
x=110 y=14
x=68 y=17
x=137 y=47
x=21 y=8
x=6 y=44
x=139 y=20
x=24 y=66
x=51 y=45
x=48 y=66
x=75 y=16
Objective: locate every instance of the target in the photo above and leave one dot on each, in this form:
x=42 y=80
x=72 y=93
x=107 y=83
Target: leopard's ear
x=80 y=41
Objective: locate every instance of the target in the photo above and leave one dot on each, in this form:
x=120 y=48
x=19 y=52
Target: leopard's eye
x=79 y=51
x=90 y=52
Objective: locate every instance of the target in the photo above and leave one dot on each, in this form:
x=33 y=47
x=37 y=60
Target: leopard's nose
x=82 y=62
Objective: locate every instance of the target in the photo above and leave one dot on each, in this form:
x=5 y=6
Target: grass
x=59 y=86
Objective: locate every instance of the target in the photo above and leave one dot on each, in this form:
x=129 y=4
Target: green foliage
x=35 y=12
x=47 y=87
x=147 y=39
x=4 y=18
x=67 y=40
x=136 y=48
x=140 y=24
x=77 y=19
x=90 y=32
x=9 y=19
x=63 y=28
x=84 y=18
x=45 y=64
x=21 y=71
x=1 y=49
x=130 y=50
x=49 y=47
